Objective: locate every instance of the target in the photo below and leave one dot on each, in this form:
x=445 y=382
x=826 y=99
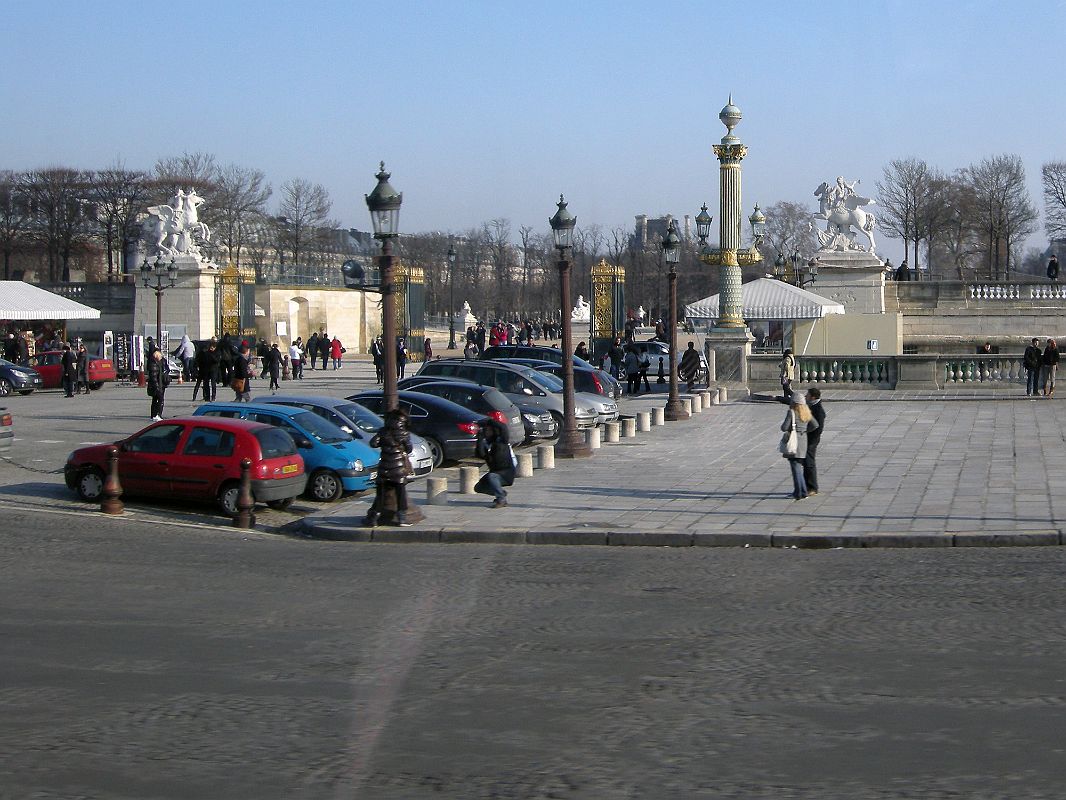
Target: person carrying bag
x=793 y=446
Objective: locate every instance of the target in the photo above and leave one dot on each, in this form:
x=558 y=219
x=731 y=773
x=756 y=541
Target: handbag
x=237 y=384
x=789 y=444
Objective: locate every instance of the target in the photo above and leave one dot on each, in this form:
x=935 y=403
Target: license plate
x=289 y=469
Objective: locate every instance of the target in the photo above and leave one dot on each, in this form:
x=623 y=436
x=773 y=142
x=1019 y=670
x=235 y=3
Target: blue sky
x=485 y=110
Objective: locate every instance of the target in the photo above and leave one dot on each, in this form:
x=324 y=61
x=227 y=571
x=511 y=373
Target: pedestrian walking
x=311 y=350
x=296 y=359
x=814 y=437
x=632 y=366
x=1049 y=366
x=787 y=373
x=796 y=425
x=1032 y=360
x=82 y=383
x=401 y=357
x=69 y=365
x=377 y=353
x=1053 y=268
x=336 y=351
x=241 y=379
x=617 y=356
x=689 y=368
x=262 y=351
x=427 y=350
x=394 y=468
x=273 y=366
x=158 y=380
x=642 y=375
x=492 y=446
x=185 y=353
x=207 y=371
x=325 y=348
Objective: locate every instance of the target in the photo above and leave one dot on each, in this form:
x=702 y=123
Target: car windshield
x=548 y=383
x=322 y=429
x=363 y=418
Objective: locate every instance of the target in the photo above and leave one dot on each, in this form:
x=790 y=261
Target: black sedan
x=15 y=378
x=484 y=400
x=449 y=429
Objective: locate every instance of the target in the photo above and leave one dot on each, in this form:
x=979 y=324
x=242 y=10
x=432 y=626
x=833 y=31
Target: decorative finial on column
x=730 y=116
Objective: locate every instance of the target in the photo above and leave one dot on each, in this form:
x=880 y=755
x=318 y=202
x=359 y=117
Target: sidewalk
x=899 y=473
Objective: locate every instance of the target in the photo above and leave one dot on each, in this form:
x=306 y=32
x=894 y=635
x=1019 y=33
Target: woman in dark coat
x=83 y=370
x=393 y=470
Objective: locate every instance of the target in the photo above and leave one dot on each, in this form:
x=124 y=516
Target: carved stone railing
x=1016 y=292
x=925 y=371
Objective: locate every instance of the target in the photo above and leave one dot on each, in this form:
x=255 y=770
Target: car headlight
x=531 y=418
x=356 y=465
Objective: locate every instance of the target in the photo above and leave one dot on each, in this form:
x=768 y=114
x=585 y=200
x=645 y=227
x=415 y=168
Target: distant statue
x=841 y=208
x=582 y=311
x=172 y=228
x=640 y=314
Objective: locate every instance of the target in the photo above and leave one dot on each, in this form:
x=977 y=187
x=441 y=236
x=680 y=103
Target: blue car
x=335 y=462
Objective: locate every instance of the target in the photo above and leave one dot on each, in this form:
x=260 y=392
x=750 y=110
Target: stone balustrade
x=1017 y=292
x=923 y=371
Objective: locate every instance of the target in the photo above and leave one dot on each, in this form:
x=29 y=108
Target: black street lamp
x=384 y=204
x=451 y=296
x=672 y=250
x=165 y=277
x=571 y=442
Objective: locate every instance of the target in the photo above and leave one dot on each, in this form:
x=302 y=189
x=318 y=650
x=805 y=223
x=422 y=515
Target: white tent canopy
x=766 y=298
x=20 y=300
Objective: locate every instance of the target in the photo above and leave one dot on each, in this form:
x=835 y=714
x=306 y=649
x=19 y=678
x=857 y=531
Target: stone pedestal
x=854 y=279
x=191 y=302
x=727 y=352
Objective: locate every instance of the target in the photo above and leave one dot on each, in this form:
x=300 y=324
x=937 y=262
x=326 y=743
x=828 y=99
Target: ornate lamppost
x=798 y=275
x=672 y=250
x=159 y=276
x=571 y=442
x=384 y=204
x=451 y=295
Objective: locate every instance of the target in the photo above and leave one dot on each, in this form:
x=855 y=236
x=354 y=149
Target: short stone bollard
x=697 y=403
x=611 y=430
x=525 y=466
x=468 y=478
x=111 y=498
x=629 y=427
x=705 y=398
x=723 y=395
x=643 y=421
x=658 y=416
x=593 y=438
x=545 y=456
x=686 y=404
x=437 y=491
x=714 y=397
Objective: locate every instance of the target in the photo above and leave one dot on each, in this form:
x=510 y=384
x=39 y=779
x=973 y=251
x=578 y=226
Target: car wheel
x=96 y=385
x=90 y=485
x=436 y=451
x=325 y=486
x=227 y=498
x=5 y=387
x=280 y=505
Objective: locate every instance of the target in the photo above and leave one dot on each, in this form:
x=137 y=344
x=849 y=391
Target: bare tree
x=1007 y=216
x=899 y=195
x=239 y=204
x=1054 y=177
x=14 y=215
x=120 y=195
x=304 y=210
x=62 y=219
x=188 y=171
x=788 y=230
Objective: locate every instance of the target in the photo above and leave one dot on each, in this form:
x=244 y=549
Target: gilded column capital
x=730 y=152
x=748 y=257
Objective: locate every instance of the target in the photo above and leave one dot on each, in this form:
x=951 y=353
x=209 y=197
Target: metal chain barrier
x=31 y=469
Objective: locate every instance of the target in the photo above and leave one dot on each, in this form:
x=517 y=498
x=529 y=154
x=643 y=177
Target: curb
x=352 y=532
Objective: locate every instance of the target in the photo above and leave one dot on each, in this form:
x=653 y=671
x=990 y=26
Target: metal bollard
x=545 y=456
x=629 y=427
x=611 y=430
x=525 y=466
x=686 y=404
x=643 y=421
x=723 y=395
x=111 y=499
x=593 y=438
x=437 y=491
x=468 y=478
x=714 y=398
x=245 y=502
x=658 y=416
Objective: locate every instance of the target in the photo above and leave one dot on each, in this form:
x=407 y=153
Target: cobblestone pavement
x=890 y=467
x=179 y=662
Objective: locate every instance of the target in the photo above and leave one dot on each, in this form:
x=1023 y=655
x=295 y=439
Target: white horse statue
x=840 y=207
x=172 y=228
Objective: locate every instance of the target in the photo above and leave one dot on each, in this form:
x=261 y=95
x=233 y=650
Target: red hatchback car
x=195 y=458
x=49 y=364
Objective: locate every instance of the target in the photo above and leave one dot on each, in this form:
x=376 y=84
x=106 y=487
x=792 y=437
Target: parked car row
x=46 y=372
